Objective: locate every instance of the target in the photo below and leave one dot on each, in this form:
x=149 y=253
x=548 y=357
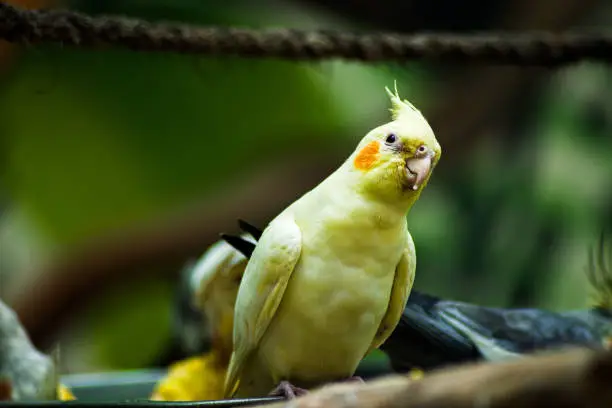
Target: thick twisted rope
x=77 y=29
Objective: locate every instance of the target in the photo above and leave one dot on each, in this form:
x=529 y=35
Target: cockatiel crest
x=401 y=108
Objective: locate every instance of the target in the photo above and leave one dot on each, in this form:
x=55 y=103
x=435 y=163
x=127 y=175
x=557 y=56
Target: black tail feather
x=250 y=229
x=240 y=244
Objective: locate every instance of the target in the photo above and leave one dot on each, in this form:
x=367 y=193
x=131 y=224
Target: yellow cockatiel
x=331 y=274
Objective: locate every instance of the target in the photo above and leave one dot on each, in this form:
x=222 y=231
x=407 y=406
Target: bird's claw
x=288 y=390
x=355 y=378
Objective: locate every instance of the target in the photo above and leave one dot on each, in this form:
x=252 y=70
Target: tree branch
x=570 y=379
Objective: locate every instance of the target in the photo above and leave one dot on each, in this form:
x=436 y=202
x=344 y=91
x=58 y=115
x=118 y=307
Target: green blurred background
x=92 y=142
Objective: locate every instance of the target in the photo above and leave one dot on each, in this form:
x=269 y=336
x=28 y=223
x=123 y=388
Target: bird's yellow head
x=395 y=160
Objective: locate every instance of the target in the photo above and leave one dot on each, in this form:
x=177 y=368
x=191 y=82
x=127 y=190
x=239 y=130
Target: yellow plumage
x=194 y=379
x=416 y=374
x=64 y=393
x=330 y=276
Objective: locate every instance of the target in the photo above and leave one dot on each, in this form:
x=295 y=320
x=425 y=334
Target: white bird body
x=330 y=275
x=349 y=281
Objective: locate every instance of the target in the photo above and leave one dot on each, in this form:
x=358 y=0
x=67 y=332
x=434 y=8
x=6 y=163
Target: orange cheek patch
x=367 y=156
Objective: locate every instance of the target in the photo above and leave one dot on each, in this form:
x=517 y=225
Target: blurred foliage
x=97 y=140
x=513 y=228
x=122 y=346
x=91 y=141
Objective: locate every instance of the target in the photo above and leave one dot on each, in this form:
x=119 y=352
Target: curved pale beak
x=418 y=169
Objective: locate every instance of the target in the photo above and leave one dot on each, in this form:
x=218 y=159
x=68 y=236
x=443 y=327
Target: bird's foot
x=288 y=390
x=355 y=378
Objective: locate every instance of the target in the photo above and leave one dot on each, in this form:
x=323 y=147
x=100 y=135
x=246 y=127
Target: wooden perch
x=575 y=378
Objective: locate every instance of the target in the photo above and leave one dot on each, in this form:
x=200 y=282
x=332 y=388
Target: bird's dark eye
x=391 y=138
x=422 y=149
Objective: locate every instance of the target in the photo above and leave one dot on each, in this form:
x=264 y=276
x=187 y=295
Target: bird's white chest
x=334 y=303
x=349 y=278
